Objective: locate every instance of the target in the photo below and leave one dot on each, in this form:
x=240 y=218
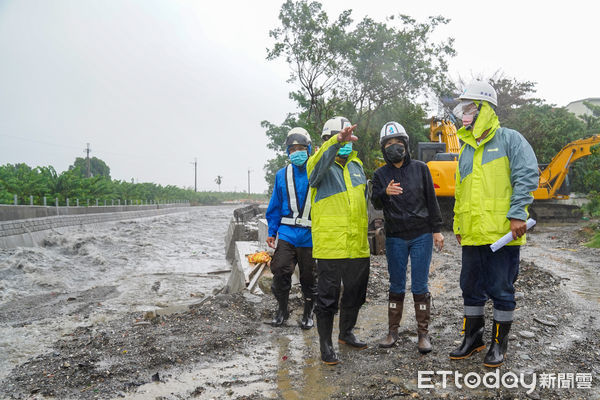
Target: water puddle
x=284 y=363
x=284 y=366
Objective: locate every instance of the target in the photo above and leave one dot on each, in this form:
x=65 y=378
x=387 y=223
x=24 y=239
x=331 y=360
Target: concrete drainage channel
x=30 y=232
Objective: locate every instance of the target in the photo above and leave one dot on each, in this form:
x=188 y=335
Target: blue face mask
x=298 y=158
x=345 y=150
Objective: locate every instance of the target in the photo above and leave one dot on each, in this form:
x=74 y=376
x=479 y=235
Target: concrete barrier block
x=240 y=266
x=263 y=230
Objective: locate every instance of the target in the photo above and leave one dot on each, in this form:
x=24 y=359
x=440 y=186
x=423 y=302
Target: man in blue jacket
x=288 y=216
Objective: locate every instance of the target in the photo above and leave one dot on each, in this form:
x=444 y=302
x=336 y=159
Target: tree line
x=373 y=71
x=39 y=182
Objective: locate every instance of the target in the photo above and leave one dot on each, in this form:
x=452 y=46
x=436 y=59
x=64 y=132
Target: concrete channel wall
x=11 y=212
x=247 y=234
x=241 y=239
x=32 y=231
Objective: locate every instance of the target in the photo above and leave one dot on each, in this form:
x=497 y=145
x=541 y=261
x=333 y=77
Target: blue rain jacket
x=279 y=207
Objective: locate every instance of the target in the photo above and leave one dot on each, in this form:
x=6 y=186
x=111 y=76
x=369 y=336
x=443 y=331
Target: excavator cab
x=441 y=155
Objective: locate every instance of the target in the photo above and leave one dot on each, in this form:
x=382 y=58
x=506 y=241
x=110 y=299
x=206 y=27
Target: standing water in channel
x=95 y=273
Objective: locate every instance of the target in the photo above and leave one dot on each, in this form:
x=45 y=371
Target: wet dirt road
x=223 y=348
x=559 y=282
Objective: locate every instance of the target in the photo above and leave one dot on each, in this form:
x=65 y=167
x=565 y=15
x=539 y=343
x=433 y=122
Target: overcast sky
x=151 y=85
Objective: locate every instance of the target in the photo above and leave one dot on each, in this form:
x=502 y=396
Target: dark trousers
x=352 y=272
x=284 y=262
x=486 y=274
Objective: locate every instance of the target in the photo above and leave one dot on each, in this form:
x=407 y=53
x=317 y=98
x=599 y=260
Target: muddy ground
x=222 y=347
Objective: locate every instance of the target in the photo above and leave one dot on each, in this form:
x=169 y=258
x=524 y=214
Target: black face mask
x=395 y=152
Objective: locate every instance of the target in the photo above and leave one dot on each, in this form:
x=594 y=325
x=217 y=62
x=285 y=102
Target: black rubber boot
x=473 y=338
x=348 y=318
x=325 y=327
x=282 y=313
x=307 y=317
x=497 y=352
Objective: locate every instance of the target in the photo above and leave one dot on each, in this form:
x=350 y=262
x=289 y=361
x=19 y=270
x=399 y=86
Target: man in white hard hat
x=497 y=171
x=340 y=246
x=288 y=216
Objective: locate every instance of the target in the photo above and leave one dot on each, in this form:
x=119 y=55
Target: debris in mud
x=532 y=276
x=155 y=286
x=117 y=352
x=544 y=322
x=527 y=334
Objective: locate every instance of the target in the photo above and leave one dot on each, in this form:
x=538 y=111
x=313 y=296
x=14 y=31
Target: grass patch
x=595 y=242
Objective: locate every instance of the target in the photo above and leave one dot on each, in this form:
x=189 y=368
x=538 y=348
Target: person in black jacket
x=403 y=188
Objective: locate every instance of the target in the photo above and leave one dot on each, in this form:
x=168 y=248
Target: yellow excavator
x=553 y=176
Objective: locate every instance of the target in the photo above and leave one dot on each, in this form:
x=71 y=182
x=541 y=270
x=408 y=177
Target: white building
x=578 y=108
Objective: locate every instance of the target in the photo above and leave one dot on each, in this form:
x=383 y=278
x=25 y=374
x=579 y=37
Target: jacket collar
x=467 y=137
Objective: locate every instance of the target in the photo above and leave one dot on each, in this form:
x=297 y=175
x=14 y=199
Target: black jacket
x=416 y=210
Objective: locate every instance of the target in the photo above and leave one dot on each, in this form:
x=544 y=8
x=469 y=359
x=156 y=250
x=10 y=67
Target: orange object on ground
x=259 y=257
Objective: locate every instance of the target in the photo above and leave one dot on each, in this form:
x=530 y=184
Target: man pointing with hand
x=339 y=230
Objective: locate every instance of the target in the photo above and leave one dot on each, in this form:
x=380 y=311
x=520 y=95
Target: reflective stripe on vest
x=297 y=219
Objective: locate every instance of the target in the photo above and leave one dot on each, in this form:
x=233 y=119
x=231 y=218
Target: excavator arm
x=444 y=131
x=553 y=176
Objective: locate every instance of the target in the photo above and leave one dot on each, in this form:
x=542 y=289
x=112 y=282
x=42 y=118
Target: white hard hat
x=480 y=90
x=297 y=135
x=390 y=130
x=333 y=126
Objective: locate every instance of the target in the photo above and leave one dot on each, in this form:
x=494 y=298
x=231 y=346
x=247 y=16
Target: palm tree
x=218 y=181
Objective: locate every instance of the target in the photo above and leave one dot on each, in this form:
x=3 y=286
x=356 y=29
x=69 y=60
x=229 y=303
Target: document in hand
x=506 y=239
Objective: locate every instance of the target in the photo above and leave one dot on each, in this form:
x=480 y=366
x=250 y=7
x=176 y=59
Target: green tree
x=548 y=129
x=360 y=73
x=97 y=167
x=586 y=171
x=312 y=47
x=512 y=95
x=592 y=122
x=23 y=181
x=218 y=181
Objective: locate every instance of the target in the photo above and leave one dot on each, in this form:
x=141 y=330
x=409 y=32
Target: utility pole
x=195 y=174
x=249 y=182
x=88 y=151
